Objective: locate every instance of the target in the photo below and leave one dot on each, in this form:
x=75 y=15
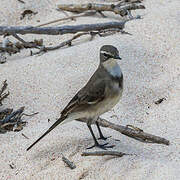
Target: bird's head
x=107 y=52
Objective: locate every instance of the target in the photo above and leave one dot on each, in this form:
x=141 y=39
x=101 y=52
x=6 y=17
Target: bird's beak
x=117 y=57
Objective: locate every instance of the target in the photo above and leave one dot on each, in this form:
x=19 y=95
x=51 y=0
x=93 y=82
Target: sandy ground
x=151 y=68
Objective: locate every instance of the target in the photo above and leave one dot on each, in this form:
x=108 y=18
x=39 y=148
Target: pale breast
x=113 y=68
x=108 y=103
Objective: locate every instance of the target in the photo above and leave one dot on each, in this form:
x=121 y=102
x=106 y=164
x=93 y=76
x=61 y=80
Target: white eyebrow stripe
x=105 y=52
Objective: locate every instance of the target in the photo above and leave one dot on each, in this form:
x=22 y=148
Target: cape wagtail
x=101 y=93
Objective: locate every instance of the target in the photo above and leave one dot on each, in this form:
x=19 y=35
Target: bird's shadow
x=74 y=146
x=70 y=145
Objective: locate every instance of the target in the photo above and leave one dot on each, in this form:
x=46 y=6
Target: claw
x=102 y=146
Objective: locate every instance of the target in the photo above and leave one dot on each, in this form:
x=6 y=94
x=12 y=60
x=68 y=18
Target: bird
x=101 y=93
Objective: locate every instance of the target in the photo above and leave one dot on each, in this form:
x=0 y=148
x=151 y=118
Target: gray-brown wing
x=92 y=93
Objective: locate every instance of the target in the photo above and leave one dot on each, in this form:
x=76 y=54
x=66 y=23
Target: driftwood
x=101 y=29
x=10 y=30
x=121 y=8
x=38 y=44
x=96 y=8
x=104 y=153
x=132 y=132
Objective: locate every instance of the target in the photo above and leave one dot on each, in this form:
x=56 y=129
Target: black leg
x=95 y=140
x=96 y=144
x=100 y=133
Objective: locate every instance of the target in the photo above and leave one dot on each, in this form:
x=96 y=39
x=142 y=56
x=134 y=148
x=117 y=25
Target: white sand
x=151 y=67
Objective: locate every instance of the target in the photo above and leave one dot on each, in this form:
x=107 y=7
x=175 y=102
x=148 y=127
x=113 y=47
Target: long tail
x=60 y=120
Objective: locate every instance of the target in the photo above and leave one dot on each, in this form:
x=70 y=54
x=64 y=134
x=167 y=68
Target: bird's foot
x=102 y=146
x=104 y=138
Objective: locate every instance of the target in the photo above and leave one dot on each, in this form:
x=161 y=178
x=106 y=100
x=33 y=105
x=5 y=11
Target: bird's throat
x=112 y=67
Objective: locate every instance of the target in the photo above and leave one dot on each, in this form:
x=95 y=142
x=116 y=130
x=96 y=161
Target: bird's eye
x=107 y=55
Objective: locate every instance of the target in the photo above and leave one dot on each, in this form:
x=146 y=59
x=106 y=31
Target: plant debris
x=24 y=136
x=122 y=8
x=21 y=1
x=70 y=164
x=12 y=166
x=2 y=59
x=10 y=120
x=27 y=12
x=159 y=101
x=104 y=153
x=2 y=94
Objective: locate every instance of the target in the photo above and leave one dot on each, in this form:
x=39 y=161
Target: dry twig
x=24 y=136
x=24 y=114
x=134 y=133
x=76 y=36
x=120 y=9
x=70 y=164
x=103 y=153
x=67 y=18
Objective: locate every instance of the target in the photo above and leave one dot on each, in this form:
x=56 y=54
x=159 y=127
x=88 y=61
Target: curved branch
x=120 y=9
x=132 y=132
